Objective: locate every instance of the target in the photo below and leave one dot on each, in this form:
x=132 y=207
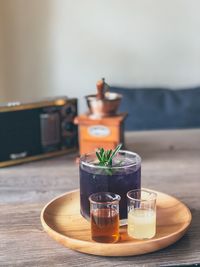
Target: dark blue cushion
x=159 y=108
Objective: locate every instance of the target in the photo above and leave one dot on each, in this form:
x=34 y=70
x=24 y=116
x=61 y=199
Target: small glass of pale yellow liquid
x=141 y=213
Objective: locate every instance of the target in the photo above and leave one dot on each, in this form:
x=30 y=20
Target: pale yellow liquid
x=142 y=223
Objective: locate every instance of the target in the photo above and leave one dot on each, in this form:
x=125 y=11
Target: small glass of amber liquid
x=104 y=215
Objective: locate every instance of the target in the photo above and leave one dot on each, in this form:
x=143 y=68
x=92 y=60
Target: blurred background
x=62 y=47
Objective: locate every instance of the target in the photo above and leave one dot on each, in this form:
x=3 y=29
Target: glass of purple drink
x=124 y=175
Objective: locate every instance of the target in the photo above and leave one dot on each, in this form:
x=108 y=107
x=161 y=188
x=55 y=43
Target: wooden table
x=171 y=164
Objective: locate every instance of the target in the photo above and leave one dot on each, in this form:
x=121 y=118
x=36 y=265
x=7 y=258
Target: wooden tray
x=61 y=219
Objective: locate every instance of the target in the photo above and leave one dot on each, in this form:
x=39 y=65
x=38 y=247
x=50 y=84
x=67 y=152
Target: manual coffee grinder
x=102 y=126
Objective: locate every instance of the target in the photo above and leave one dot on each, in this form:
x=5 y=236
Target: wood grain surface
x=171 y=164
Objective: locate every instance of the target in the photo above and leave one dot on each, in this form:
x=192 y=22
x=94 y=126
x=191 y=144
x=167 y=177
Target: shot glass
x=104 y=215
x=141 y=206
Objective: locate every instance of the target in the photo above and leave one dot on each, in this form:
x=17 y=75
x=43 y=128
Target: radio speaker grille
x=50 y=129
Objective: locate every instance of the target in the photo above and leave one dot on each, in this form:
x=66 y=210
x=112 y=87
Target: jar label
x=99 y=130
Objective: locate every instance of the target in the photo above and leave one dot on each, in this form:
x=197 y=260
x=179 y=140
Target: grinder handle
x=100 y=89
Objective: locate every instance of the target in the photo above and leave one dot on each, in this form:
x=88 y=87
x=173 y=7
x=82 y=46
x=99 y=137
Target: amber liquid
x=105 y=225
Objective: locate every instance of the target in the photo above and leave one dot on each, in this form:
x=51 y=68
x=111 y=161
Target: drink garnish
x=105 y=157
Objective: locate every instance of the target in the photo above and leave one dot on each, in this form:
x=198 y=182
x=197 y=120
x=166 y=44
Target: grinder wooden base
x=105 y=132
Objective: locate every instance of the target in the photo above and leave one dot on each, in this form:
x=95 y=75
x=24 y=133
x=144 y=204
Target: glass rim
x=91 y=165
x=118 y=198
x=152 y=195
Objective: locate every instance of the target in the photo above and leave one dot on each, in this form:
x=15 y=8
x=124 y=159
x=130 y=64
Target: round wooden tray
x=61 y=219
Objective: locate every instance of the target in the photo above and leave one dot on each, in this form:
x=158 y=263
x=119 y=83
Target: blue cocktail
x=124 y=175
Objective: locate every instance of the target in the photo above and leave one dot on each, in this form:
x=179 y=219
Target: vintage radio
x=31 y=131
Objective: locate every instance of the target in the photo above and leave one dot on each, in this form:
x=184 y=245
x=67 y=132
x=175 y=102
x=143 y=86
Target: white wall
x=62 y=47
x=27 y=49
x=2 y=76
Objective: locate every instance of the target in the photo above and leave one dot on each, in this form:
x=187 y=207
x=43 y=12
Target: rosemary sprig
x=105 y=157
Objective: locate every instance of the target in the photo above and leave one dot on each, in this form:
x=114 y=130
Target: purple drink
x=123 y=176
